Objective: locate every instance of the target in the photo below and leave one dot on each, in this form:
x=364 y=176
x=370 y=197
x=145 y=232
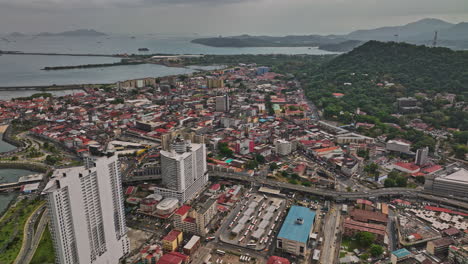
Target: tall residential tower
x=184 y=170
x=87 y=212
x=222 y=103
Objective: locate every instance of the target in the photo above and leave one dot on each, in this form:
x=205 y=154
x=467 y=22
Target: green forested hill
x=410 y=68
x=418 y=68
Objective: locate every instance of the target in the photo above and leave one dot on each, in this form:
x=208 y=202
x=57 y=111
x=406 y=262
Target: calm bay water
x=25 y=70
x=6 y=176
x=4 y=146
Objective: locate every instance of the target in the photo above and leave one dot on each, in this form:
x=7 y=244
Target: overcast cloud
x=226 y=17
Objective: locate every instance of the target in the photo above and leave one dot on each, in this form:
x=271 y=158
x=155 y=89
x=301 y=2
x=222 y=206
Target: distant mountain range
x=72 y=33
x=450 y=35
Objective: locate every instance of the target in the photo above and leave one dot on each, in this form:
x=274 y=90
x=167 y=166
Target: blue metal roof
x=400 y=253
x=294 y=231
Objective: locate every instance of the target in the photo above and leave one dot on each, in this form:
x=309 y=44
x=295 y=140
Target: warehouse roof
x=298 y=224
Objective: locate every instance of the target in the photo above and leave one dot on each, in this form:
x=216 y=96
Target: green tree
x=273 y=166
x=364 y=239
x=225 y=150
x=259 y=158
x=420 y=179
x=376 y=250
x=389 y=182
x=401 y=181
x=51 y=160
x=251 y=164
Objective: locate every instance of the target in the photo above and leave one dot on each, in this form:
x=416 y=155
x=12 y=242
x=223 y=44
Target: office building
x=295 y=231
x=421 y=156
x=222 y=103
x=87 y=219
x=283 y=147
x=452 y=180
x=184 y=170
x=398 y=146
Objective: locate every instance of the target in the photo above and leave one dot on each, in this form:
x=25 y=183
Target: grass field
x=45 y=251
x=11 y=229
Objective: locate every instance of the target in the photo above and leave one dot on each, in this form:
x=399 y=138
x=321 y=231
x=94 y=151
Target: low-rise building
x=458 y=255
x=398 y=146
x=172 y=240
x=351 y=227
x=400 y=255
x=195 y=220
x=277 y=260
x=367 y=216
x=295 y=232
x=453 y=180
x=439 y=247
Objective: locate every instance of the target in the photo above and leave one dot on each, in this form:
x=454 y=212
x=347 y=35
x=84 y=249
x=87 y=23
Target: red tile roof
x=372 y=228
x=445 y=210
x=409 y=166
x=183 y=210
x=277 y=260
x=172 y=235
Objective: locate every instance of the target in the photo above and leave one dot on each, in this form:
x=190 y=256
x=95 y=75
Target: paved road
x=391 y=230
x=317 y=191
x=330 y=230
x=28 y=235
x=37 y=237
x=342 y=196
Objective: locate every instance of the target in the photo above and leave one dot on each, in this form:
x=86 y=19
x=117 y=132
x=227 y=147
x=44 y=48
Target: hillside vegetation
x=406 y=69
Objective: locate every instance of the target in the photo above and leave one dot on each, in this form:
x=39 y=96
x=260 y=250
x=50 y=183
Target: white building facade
x=87 y=213
x=184 y=170
x=283 y=147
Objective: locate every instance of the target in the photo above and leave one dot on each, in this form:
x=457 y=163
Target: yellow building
x=172 y=241
x=215 y=83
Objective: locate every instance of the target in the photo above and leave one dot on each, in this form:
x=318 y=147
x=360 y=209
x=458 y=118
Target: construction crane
x=434 y=42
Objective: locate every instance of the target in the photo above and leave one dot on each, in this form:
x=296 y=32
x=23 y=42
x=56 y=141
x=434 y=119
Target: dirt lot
x=137 y=238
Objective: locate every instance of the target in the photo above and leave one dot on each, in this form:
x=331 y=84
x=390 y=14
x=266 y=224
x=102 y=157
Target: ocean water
x=4 y=146
x=25 y=70
x=6 y=176
x=156 y=43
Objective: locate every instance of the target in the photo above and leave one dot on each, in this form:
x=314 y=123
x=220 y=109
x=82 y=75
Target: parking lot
x=255 y=222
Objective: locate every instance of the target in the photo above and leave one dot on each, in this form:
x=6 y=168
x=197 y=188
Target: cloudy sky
x=225 y=17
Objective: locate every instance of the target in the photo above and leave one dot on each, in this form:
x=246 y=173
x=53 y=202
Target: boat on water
x=143 y=49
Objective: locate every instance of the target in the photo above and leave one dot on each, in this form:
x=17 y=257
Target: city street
x=330 y=230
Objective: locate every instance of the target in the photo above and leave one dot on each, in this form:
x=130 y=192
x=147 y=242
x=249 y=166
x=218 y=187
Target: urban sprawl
x=231 y=166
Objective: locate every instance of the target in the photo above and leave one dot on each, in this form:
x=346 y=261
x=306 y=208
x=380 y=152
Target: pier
x=22 y=181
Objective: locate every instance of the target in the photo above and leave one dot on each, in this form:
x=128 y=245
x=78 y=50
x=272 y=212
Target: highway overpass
x=344 y=196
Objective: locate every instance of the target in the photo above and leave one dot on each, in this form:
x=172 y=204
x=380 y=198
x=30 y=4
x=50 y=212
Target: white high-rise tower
x=87 y=212
x=184 y=170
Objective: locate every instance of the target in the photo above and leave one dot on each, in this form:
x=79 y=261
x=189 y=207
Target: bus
x=220 y=252
x=251 y=245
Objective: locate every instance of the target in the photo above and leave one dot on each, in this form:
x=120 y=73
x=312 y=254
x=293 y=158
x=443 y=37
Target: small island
x=74 y=33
